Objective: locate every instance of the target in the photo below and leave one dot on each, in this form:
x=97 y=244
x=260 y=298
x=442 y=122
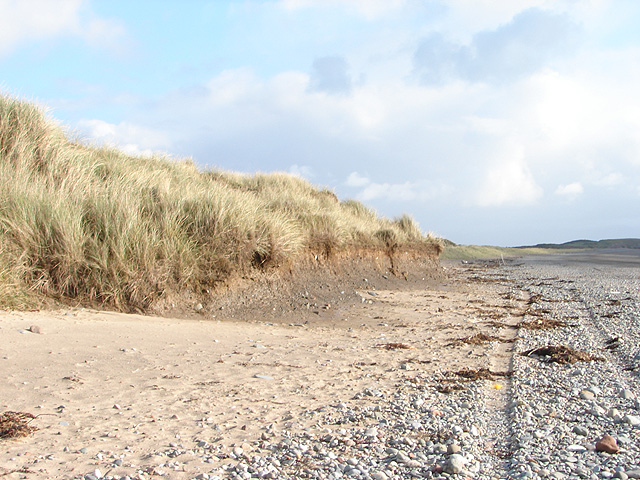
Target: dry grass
x=96 y=224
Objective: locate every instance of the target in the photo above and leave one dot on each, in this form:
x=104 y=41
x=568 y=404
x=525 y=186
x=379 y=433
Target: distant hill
x=582 y=244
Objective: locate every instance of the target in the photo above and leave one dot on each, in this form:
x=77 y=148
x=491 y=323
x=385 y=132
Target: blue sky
x=503 y=123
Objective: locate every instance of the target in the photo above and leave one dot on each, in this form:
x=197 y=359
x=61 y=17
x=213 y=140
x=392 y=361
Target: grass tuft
x=95 y=224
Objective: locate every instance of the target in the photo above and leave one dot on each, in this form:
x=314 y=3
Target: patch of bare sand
x=109 y=384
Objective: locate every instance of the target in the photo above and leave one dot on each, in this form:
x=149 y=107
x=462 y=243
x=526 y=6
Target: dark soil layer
x=317 y=286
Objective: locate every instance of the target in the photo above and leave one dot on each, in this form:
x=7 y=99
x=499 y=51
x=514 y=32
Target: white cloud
x=130 y=138
x=464 y=18
x=231 y=86
x=24 y=21
x=104 y=33
x=370 y=9
x=509 y=182
x=396 y=192
x=570 y=191
x=531 y=41
x=356 y=180
x=418 y=191
x=610 y=180
x=302 y=171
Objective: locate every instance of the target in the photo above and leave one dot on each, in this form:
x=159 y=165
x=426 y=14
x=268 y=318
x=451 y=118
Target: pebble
x=453 y=448
x=455 y=464
x=238 y=451
x=576 y=448
x=626 y=394
x=579 y=430
x=587 y=395
x=607 y=444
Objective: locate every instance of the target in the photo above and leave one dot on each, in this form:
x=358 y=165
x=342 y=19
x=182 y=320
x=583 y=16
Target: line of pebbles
x=544 y=423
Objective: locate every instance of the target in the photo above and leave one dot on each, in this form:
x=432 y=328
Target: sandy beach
x=115 y=394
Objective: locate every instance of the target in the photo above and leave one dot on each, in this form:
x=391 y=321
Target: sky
x=494 y=122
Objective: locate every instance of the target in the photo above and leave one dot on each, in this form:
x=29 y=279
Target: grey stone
x=371 y=432
x=578 y=430
x=402 y=457
x=455 y=463
x=576 y=448
x=624 y=393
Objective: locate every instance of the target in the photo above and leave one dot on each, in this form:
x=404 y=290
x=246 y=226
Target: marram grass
x=95 y=224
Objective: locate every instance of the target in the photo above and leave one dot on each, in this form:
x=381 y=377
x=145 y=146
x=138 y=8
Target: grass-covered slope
x=592 y=244
x=452 y=251
x=96 y=224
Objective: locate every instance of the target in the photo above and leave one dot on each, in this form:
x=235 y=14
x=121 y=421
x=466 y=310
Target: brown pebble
x=453 y=448
x=607 y=444
x=35 y=329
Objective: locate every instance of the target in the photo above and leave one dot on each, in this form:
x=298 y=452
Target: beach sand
x=108 y=386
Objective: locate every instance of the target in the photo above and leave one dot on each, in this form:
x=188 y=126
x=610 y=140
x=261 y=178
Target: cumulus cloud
x=532 y=40
x=610 y=180
x=356 y=180
x=570 y=191
x=509 y=182
x=302 y=171
x=395 y=192
x=130 y=138
x=408 y=191
x=25 y=21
